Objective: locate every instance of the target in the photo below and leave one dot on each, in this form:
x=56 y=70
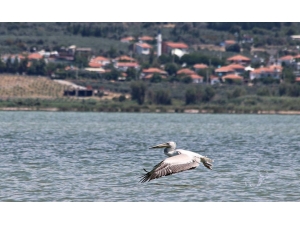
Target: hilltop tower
x=159 y=40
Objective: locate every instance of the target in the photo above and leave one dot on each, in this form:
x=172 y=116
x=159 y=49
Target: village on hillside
x=236 y=68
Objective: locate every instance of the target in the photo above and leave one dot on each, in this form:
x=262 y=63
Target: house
x=149 y=71
x=124 y=58
x=169 y=47
x=100 y=60
x=123 y=66
x=127 y=39
x=239 y=59
x=94 y=64
x=274 y=71
x=200 y=66
x=122 y=77
x=35 y=56
x=196 y=78
x=295 y=37
x=224 y=70
x=149 y=76
x=5 y=57
x=97 y=70
x=238 y=68
x=287 y=60
x=232 y=77
x=185 y=71
x=214 y=80
x=65 y=53
x=229 y=42
x=71 y=68
x=142 y=48
x=84 y=50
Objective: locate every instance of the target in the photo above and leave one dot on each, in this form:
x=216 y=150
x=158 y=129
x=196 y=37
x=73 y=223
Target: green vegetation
x=164 y=93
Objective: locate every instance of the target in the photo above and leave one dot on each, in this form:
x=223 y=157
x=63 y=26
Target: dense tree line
x=232 y=26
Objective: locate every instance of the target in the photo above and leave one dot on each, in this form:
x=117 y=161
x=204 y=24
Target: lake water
x=99 y=157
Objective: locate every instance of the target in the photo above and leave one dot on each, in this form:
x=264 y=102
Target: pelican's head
x=170 y=144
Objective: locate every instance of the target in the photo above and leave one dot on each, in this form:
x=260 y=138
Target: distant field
x=13 y=86
x=17 y=86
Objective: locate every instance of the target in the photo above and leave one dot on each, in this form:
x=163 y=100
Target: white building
x=142 y=48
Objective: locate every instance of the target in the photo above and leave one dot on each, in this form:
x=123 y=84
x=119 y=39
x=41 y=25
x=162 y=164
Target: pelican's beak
x=164 y=145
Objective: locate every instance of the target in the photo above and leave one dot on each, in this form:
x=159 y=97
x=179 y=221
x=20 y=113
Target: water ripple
x=55 y=156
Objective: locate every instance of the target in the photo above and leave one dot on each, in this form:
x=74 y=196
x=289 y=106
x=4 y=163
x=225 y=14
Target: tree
x=156 y=78
x=81 y=60
x=209 y=93
x=138 y=91
x=114 y=74
x=171 y=68
x=131 y=74
x=23 y=66
x=288 y=75
x=190 y=96
x=186 y=79
x=15 y=65
x=162 y=97
x=9 y=65
x=2 y=66
x=112 y=52
x=233 y=48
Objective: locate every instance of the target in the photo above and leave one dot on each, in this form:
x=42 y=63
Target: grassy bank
x=284 y=105
x=40 y=93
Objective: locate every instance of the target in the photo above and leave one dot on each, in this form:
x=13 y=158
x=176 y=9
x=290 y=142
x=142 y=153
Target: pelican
x=178 y=160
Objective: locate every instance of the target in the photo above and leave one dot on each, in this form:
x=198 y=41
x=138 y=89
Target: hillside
x=29 y=87
x=16 y=37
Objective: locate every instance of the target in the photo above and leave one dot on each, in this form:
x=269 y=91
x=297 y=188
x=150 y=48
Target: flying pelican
x=179 y=160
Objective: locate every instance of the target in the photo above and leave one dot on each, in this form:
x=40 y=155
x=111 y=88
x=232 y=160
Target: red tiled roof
x=270 y=69
x=286 y=57
x=125 y=57
x=176 y=45
x=233 y=77
x=154 y=70
x=276 y=67
x=149 y=76
x=144 y=45
x=236 y=66
x=200 y=66
x=146 y=38
x=95 y=64
x=35 y=56
x=224 y=69
x=185 y=71
x=128 y=64
x=130 y=38
x=230 y=42
x=238 y=58
x=100 y=58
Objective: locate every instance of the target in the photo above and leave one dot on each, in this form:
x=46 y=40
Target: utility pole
x=207 y=71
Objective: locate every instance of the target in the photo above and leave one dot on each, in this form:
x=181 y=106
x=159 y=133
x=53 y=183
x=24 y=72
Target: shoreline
x=187 y=111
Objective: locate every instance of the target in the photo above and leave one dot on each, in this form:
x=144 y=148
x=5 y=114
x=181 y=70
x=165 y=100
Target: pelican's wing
x=171 y=165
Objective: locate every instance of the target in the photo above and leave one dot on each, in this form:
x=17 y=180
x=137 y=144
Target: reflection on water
x=66 y=156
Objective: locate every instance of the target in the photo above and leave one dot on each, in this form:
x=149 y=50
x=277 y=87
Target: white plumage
x=179 y=160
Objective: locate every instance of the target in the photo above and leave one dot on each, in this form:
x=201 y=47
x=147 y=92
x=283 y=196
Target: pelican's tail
x=207 y=162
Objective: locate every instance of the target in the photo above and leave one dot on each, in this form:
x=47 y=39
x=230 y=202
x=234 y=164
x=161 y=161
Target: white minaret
x=159 y=43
